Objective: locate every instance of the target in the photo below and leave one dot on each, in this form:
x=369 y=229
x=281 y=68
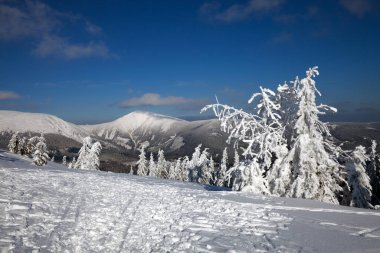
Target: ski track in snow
x=57 y=211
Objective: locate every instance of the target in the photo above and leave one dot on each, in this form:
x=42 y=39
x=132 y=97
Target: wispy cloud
x=41 y=23
x=59 y=47
x=357 y=7
x=8 y=95
x=238 y=12
x=153 y=99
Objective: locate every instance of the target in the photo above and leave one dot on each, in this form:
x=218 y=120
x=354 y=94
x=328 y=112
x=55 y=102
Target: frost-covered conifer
x=221 y=174
x=161 y=165
x=22 y=147
x=178 y=169
x=64 y=162
x=142 y=169
x=94 y=156
x=52 y=159
x=373 y=168
x=89 y=153
x=203 y=168
x=312 y=172
x=185 y=169
x=193 y=175
x=236 y=159
x=152 y=167
x=172 y=172
x=358 y=179
x=31 y=145
x=14 y=142
x=249 y=177
x=40 y=155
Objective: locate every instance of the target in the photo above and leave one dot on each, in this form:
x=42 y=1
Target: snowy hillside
x=54 y=209
x=157 y=131
x=39 y=123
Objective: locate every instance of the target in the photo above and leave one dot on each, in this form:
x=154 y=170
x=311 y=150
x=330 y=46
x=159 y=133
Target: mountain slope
x=54 y=209
x=160 y=132
x=12 y=121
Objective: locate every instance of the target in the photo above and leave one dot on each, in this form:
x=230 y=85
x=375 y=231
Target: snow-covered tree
x=52 y=159
x=22 y=147
x=40 y=155
x=285 y=141
x=185 y=169
x=312 y=172
x=236 y=159
x=64 y=162
x=171 y=171
x=178 y=169
x=84 y=152
x=203 y=168
x=142 y=168
x=161 y=165
x=152 y=167
x=31 y=145
x=94 y=156
x=249 y=177
x=222 y=172
x=14 y=142
x=373 y=169
x=88 y=155
x=193 y=163
x=358 y=180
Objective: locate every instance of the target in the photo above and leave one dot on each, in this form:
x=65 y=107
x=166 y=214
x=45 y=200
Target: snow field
x=44 y=210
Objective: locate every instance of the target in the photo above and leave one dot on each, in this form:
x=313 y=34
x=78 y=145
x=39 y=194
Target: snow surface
x=55 y=209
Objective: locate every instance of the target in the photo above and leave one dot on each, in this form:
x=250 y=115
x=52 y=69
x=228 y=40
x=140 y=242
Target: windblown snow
x=55 y=209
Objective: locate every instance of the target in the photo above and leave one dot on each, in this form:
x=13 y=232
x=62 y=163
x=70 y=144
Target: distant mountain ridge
x=129 y=132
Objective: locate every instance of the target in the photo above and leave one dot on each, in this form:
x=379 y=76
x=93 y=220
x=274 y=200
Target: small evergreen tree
x=142 y=169
x=40 y=155
x=14 y=143
x=161 y=165
x=152 y=167
x=223 y=169
x=64 y=162
x=84 y=152
x=358 y=179
x=94 y=156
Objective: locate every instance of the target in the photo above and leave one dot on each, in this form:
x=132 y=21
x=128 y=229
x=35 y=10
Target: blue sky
x=93 y=61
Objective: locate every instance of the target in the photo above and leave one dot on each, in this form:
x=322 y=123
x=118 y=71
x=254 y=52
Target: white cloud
x=153 y=99
x=39 y=22
x=59 y=47
x=357 y=7
x=8 y=95
x=238 y=12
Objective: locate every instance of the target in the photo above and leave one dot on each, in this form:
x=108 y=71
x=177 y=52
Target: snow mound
x=12 y=121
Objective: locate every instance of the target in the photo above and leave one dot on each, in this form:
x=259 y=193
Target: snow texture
x=54 y=209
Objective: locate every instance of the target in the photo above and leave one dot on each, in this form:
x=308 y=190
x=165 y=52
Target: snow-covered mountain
x=13 y=121
x=55 y=209
x=157 y=131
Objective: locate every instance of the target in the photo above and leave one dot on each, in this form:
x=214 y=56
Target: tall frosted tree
x=84 y=152
x=221 y=174
x=152 y=167
x=94 y=156
x=359 y=181
x=312 y=171
x=161 y=165
x=236 y=159
x=373 y=169
x=142 y=168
